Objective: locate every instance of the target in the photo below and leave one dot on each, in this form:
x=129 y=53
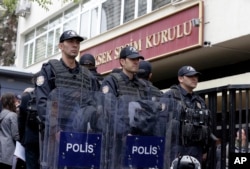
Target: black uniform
x=98 y=77
x=119 y=84
x=154 y=93
x=29 y=132
x=192 y=123
x=49 y=79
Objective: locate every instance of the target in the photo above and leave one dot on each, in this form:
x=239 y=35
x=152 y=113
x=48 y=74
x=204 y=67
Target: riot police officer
x=65 y=72
x=88 y=60
x=145 y=73
x=68 y=83
x=125 y=82
x=192 y=120
x=133 y=112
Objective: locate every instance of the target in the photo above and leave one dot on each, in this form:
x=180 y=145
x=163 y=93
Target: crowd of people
x=185 y=113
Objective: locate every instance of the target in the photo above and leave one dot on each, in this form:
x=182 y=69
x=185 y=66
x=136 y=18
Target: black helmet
x=87 y=59
x=185 y=162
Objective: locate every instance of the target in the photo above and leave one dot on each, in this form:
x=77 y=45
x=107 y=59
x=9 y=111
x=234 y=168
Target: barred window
x=111 y=14
x=96 y=16
x=40 y=48
x=129 y=10
x=142 y=7
x=159 y=3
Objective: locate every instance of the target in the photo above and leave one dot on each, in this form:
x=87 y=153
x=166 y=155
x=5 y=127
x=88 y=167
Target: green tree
x=8 y=28
x=11 y=4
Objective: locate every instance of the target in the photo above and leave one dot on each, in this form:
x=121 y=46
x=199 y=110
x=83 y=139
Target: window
x=84 y=28
x=129 y=10
x=71 y=12
x=94 y=23
x=142 y=7
x=89 y=19
x=70 y=25
x=55 y=21
x=40 y=48
x=111 y=14
x=159 y=3
x=28 y=52
x=41 y=29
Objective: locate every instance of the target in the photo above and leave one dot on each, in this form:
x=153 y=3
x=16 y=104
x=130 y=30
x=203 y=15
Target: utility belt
x=194 y=127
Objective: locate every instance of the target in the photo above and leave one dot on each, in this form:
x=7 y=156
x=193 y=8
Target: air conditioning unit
x=23 y=8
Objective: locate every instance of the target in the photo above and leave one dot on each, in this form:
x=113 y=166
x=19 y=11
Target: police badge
x=40 y=80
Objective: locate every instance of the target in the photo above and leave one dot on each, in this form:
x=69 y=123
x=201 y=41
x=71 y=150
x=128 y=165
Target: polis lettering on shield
x=80 y=148
x=151 y=150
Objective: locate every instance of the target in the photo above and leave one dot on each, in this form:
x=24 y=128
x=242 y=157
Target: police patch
x=198 y=105
x=105 y=89
x=163 y=106
x=40 y=80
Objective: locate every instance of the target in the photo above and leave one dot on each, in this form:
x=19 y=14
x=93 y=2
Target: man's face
x=130 y=65
x=70 y=48
x=189 y=82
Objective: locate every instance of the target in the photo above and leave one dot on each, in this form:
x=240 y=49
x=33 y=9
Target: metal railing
x=230 y=112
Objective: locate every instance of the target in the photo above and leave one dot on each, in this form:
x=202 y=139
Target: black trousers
x=5 y=166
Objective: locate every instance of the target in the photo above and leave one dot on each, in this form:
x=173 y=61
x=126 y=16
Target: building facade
x=215 y=40
x=212 y=36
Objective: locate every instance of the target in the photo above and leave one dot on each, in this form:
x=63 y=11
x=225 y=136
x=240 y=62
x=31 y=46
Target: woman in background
x=8 y=130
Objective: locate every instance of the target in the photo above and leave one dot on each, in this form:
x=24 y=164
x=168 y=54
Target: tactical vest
x=71 y=100
x=138 y=90
x=154 y=92
x=68 y=80
x=194 y=122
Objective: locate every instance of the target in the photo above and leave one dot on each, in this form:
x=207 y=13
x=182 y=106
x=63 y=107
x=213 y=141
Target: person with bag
x=8 y=130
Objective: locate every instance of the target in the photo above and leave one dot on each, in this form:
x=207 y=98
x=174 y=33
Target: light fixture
x=207 y=44
x=196 y=22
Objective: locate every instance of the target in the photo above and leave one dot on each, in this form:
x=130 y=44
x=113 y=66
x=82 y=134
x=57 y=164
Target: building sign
x=169 y=35
x=144 y=152
x=79 y=150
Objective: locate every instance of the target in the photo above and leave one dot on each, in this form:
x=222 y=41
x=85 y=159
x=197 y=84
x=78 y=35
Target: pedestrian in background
x=8 y=130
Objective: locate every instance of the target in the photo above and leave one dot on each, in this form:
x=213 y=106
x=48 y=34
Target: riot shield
x=135 y=141
x=176 y=153
x=169 y=126
x=75 y=129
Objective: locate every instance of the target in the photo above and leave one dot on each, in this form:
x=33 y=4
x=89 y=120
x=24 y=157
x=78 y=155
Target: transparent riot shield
x=135 y=140
x=171 y=126
x=76 y=129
